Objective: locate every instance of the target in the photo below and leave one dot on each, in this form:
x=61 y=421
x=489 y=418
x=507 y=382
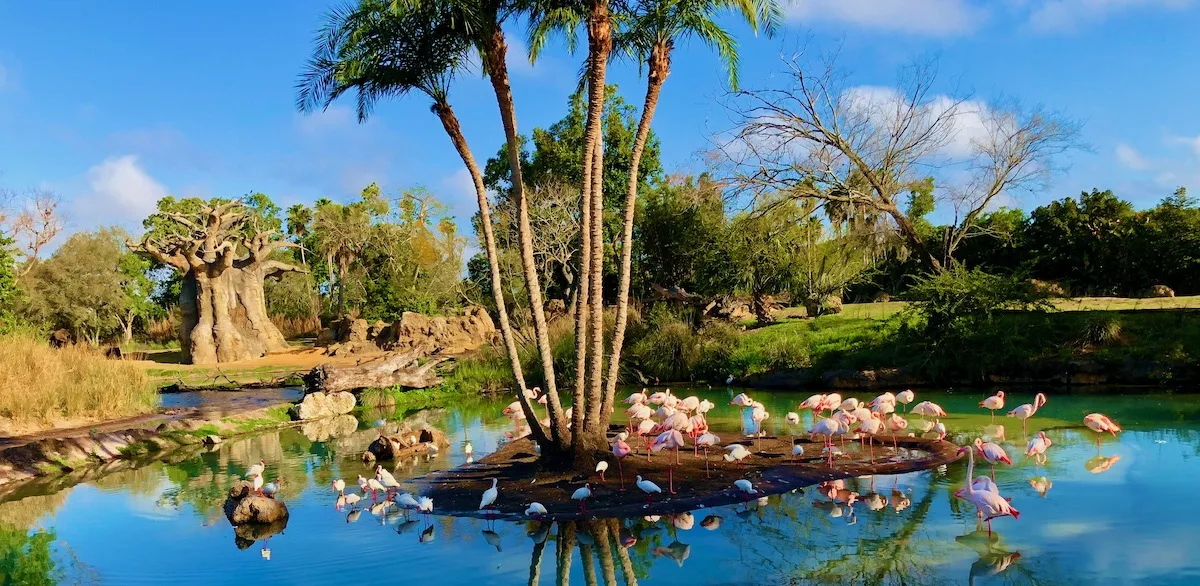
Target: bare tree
x=32 y=219
x=860 y=147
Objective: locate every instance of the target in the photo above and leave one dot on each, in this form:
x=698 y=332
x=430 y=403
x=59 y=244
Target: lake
x=1116 y=514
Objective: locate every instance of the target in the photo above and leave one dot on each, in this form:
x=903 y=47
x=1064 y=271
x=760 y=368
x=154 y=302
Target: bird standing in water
x=647 y=487
x=993 y=403
x=1024 y=412
x=582 y=494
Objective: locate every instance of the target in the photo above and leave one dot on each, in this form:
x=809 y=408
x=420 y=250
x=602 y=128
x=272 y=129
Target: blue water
x=1116 y=514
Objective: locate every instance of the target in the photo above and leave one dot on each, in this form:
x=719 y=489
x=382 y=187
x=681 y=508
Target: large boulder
x=319 y=405
x=245 y=506
x=1161 y=291
x=406 y=442
x=449 y=335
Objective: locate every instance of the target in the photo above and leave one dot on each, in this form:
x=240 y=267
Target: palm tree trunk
x=582 y=296
x=600 y=45
x=660 y=68
x=497 y=68
x=454 y=130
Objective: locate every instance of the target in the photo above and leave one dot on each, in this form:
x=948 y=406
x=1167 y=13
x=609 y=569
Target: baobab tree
x=224 y=251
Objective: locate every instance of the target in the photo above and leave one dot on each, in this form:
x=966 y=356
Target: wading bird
x=704 y=442
x=535 y=510
x=988 y=504
x=993 y=453
x=1024 y=412
x=647 y=487
x=993 y=403
x=905 y=397
x=1037 y=448
x=745 y=487
x=929 y=408
x=670 y=440
x=582 y=494
x=620 y=449
x=601 y=468
x=489 y=497
x=1101 y=424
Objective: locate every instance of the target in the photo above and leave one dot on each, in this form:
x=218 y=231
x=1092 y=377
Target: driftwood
x=399 y=369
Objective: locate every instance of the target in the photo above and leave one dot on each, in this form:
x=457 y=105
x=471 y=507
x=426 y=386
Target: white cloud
x=1129 y=158
x=1068 y=15
x=971 y=118
x=121 y=191
x=940 y=18
x=334 y=118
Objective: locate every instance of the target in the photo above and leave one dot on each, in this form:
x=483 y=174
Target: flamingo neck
x=970 y=471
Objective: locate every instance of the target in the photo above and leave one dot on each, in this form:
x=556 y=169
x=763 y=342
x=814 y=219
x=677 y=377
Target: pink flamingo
x=832 y=401
x=707 y=440
x=620 y=449
x=929 y=408
x=896 y=424
x=812 y=403
x=870 y=427
x=643 y=429
x=1101 y=424
x=1024 y=412
x=989 y=505
x=671 y=440
x=993 y=403
x=827 y=427
x=1037 y=448
x=993 y=453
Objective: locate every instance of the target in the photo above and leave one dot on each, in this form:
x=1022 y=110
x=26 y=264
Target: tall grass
x=297 y=327
x=39 y=383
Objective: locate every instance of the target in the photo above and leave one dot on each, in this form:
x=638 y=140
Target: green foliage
x=1103 y=329
x=89 y=286
x=679 y=232
x=10 y=294
x=955 y=303
x=25 y=557
x=1085 y=242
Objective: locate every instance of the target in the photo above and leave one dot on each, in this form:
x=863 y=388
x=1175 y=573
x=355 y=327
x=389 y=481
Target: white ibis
x=745 y=487
x=648 y=487
x=601 y=468
x=257 y=469
x=407 y=501
x=257 y=482
x=797 y=450
x=339 y=486
x=385 y=478
x=1101 y=424
x=375 y=486
x=488 y=501
x=582 y=494
x=736 y=453
x=272 y=488
x=536 y=510
x=350 y=499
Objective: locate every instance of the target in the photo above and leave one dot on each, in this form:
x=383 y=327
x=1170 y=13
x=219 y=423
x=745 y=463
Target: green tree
x=138 y=288
x=1085 y=243
x=81 y=286
x=1169 y=244
x=679 y=233
x=299 y=219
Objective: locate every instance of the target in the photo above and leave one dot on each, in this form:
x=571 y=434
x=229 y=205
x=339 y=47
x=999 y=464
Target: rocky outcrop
x=320 y=405
x=244 y=506
x=407 y=442
x=870 y=379
x=403 y=369
x=1161 y=291
x=445 y=334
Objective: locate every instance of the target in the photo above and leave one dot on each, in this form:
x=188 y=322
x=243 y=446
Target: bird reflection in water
x=994 y=558
x=1041 y=484
x=676 y=551
x=1100 y=464
x=491 y=537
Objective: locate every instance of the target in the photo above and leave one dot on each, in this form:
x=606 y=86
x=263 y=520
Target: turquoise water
x=1115 y=515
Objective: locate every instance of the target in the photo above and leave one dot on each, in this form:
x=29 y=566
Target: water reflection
x=885 y=530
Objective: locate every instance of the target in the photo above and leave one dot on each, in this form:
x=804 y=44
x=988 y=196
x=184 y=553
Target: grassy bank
x=40 y=385
x=1165 y=343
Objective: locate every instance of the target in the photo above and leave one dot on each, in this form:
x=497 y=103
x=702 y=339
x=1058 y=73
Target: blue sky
x=114 y=104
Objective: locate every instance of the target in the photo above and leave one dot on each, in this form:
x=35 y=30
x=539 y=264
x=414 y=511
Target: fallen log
x=400 y=369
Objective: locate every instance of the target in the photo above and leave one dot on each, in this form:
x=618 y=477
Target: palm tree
x=651 y=35
x=382 y=49
x=548 y=17
x=298 y=219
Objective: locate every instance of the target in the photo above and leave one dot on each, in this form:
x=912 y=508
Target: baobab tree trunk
x=222 y=301
x=225 y=317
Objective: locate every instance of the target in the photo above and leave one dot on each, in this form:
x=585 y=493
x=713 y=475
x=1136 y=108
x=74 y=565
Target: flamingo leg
x=671 y=478
x=993 y=415
x=621 y=473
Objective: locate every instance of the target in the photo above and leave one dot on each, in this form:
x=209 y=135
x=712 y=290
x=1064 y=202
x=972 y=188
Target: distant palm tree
x=299 y=217
x=382 y=49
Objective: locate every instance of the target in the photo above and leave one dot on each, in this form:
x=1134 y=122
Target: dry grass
x=39 y=383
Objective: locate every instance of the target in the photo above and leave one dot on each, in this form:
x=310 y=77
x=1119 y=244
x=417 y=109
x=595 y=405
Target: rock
x=244 y=506
x=1050 y=288
x=60 y=338
x=870 y=379
x=327 y=337
x=832 y=305
x=321 y=430
x=318 y=405
x=405 y=443
x=358 y=331
x=211 y=440
x=1161 y=291
x=882 y=297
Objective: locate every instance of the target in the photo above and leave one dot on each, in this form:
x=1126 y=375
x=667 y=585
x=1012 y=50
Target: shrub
x=1100 y=330
x=39 y=383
